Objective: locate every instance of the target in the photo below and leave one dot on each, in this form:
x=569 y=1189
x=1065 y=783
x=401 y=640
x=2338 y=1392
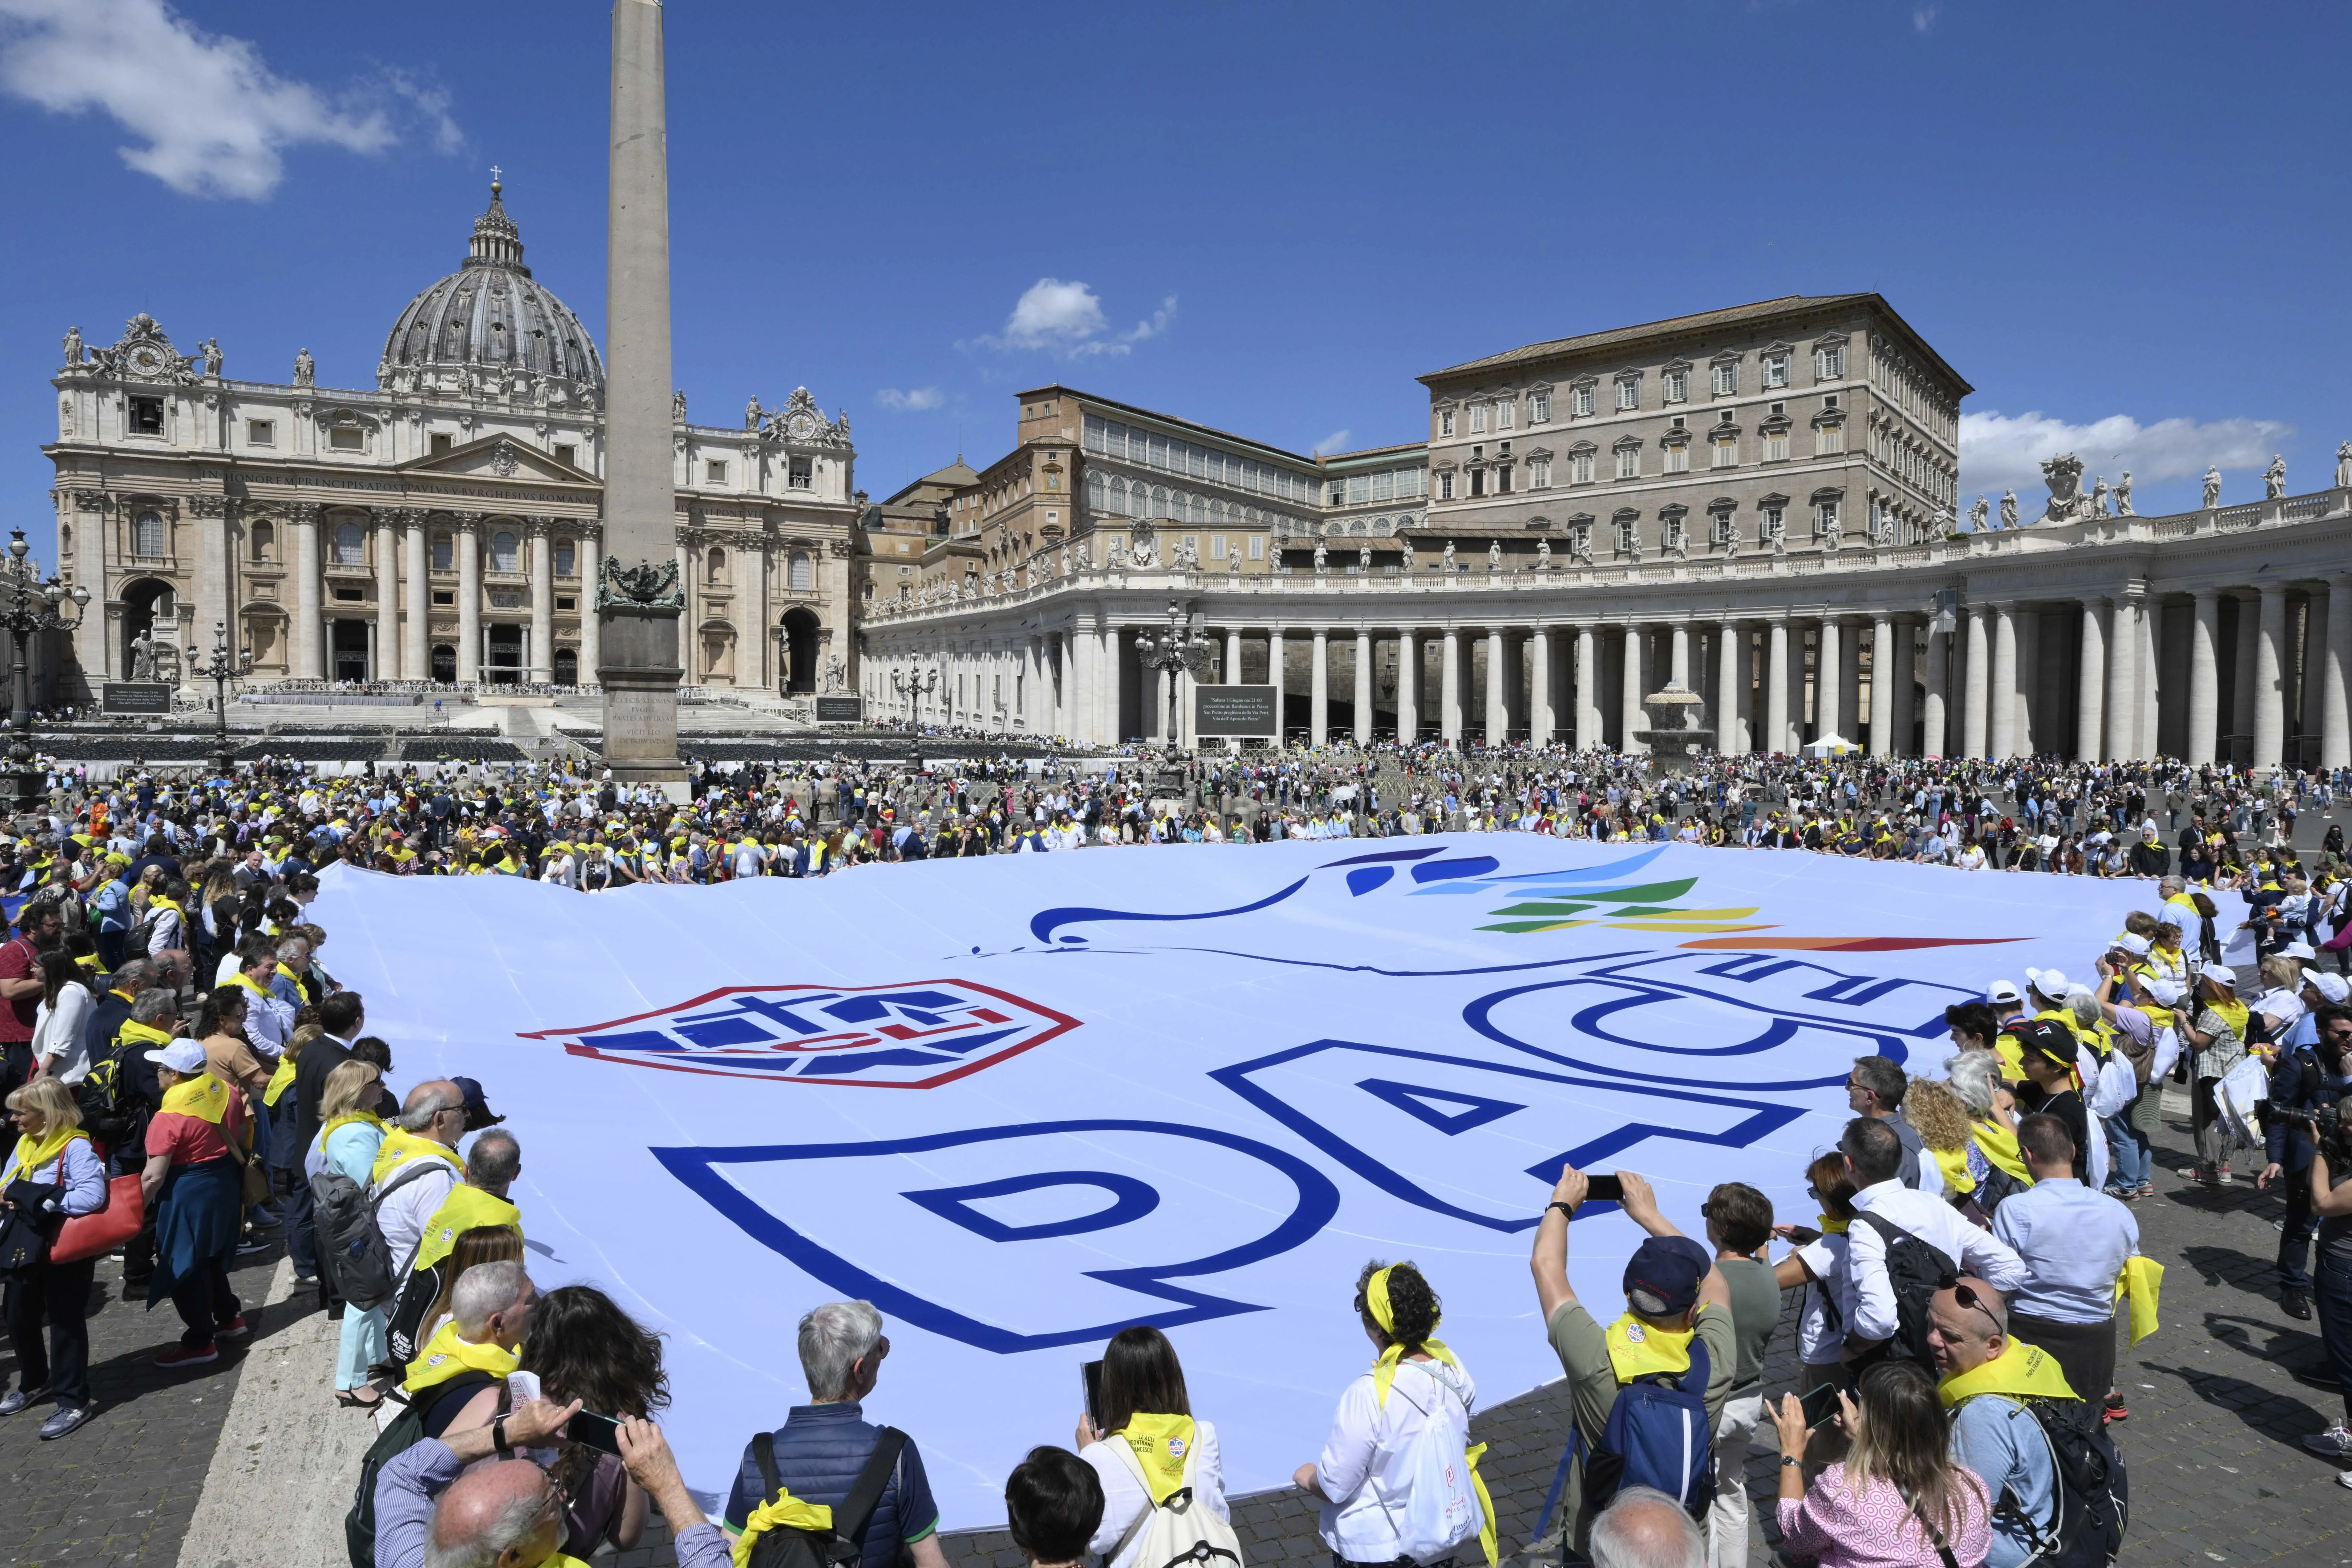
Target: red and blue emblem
x=913 y=1035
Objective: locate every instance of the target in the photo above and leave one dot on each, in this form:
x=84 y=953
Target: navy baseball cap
x=478 y=1109
x=1663 y=1276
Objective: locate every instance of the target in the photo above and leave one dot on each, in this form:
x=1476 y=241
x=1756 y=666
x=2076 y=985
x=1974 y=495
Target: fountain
x=1676 y=731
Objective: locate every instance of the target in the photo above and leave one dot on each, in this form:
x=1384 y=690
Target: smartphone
x=1819 y=1405
x=601 y=1432
x=1091 y=1374
x=1605 y=1189
x=1803 y=1235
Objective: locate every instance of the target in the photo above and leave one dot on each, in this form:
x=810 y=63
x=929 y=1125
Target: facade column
x=1110 y=683
x=2241 y=693
x=1498 y=689
x=1829 y=682
x=416 y=645
x=2003 y=739
x=1933 y=727
x=1976 y=716
x=1539 y=688
x=1449 y=688
x=1319 y=691
x=1082 y=722
x=2025 y=736
x=1776 y=684
x=1277 y=670
x=1363 y=688
x=1850 y=709
x=386 y=665
x=1231 y=673
x=1730 y=642
x=1589 y=732
x=2125 y=652
x=1882 y=677
x=1629 y=702
x=2335 y=707
x=755 y=644
x=541 y=541
x=2270 y=683
x=2090 y=688
x=2312 y=663
x=468 y=547
x=309 y=629
x=686 y=617
x=2204 y=677
x=1408 y=687
x=1906 y=706
x=1678 y=662
x=591 y=625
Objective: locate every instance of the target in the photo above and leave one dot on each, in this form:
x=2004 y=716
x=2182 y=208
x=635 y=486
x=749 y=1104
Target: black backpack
x=2092 y=1491
x=1915 y=1270
x=108 y=1098
x=351 y=1247
x=406 y=1430
x=781 y=1546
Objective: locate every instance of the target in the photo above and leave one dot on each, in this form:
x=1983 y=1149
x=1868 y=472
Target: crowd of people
x=168 y=1028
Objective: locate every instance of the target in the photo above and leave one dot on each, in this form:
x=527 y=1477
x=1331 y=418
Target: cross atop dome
x=497 y=241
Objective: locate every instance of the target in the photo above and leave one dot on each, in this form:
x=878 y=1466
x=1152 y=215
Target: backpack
x=411 y=1300
x=107 y=1097
x=406 y=1431
x=1181 y=1529
x=784 y=1546
x=1915 y=1270
x=1658 y=1435
x=350 y=1245
x=2092 y=1491
x=1441 y=1509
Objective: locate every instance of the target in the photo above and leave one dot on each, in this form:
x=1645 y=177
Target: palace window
x=715 y=564
x=1478 y=418
x=1775 y=518
x=1628 y=393
x=1825 y=513
x=506 y=552
x=714 y=472
x=1677 y=459
x=1727 y=451
x=567 y=560
x=1503 y=411
x=1339 y=492
x=1677 y=385
x=1829 y=440
x=798 y=573
x=1585 y=398
x=1503 y=479
x=1775 y=370
x=1776 y=445
x=350 y=544
x=265 y=538
x=1384 y=486
x=1359 y=488
x=347 y=438
x=1580 y=465
x=1538 y=473
x=1477 y=482
x=261 y=433
x=1445 y=422
x=1721 y=525
x=1445 y=487
x=1829 y=363
x=1539 y=407
x=1727 y=379
x=1629 y=461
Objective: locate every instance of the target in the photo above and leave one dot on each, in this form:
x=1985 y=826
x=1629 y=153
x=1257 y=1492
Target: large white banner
x=1021 y=1102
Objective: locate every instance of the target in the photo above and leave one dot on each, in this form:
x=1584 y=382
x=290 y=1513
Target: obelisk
x=638 y=596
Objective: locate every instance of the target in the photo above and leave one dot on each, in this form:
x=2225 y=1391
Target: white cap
x=2334 y=987
x=180 y=1055
x=2162 y=992
x=2135 y=944
x=2299 y=949
x=2004 y=990
x=2220 y=975
x=2050 y=982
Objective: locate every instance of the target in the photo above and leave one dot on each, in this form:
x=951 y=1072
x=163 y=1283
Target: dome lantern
x=488 y=326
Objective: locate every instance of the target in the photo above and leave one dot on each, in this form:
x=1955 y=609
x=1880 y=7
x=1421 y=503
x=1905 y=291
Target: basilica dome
x=489 y=322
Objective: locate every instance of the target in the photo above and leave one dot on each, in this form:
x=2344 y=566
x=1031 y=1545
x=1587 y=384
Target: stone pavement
x=2217 y=1404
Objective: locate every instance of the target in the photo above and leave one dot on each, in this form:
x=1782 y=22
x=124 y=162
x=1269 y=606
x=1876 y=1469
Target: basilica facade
x=441 y=527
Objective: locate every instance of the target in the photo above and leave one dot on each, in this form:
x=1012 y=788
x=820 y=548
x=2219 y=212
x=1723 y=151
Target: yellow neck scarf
x=141 y=1034
x=444 y=1355
x=2000 y=1145
x=1637 y=1349
x=2021 y=1371
x=242 y=978
x=1833 y=1226
x=292 y=979
x=1160 y=1444
x=2232 y=1013
x=31 y=1156
x=336 y=1124
x=466 y=1208
x=399 y=1146
x=1953 y=1164
x=203 y=1095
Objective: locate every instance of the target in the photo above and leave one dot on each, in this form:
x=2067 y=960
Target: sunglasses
x=1967 y=1297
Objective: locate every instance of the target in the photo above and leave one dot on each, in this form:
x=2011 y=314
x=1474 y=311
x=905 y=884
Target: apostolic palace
x=1761 y=504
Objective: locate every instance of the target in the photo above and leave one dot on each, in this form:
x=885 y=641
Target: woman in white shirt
x=1364 y=1479
x=61 y=1022
x=1151 y=1437
x=1818 y=1265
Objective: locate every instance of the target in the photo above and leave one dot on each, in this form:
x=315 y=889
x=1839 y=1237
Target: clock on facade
x=800 y=427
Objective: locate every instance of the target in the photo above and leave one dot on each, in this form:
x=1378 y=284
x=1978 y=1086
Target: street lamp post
x=29 y=604
x=1177 y=650
x=223 y=667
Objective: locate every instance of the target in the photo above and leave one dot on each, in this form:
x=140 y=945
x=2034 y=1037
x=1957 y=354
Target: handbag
x=25 y=1235
x=256 y=1184
x=105 y=1227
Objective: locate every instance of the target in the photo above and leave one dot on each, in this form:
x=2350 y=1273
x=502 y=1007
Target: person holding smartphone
x=1144 y=1410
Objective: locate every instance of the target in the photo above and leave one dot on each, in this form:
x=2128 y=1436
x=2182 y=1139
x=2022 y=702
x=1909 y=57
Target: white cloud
x=1067 y=320
x=2001 y=451
x=1335 y=442
x=1923 y=18
x=209 y=117
x=914 y=402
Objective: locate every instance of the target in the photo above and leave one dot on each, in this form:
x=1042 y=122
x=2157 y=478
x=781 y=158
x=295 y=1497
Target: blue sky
x=2124 y=221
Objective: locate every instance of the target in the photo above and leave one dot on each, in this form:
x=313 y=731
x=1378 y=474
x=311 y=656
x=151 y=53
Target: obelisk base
x=640 y=679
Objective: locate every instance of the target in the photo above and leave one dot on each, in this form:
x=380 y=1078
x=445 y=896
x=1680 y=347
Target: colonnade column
x=1319 y=689
x=387 y=596
x=1934 y=723
x=1850 y=680
x=1111 y=685
x=1539 y=688
x=1828 y=683
x=2003 y=739
x=1730 y=642
x=2242 y=694
x=1975 y=718
x=1882 y=687
x=2090 y=687
x=591 y=625
x=2204 y=677
x=2270 y=685
x=1679 y=664
x=2126 y=647
x=1408 y=687
x=1776 y=684
x=2335 y=721
x=1449 y=687
x=310 y=651
x=1629 y=711
x=1231 y=673
x=1084 y=721
x=1276 y=659
x=2310 y=687
x=1363 y=688
x=416 y=657
x=1905 y=700
x=1498 y=690
x=1589 y=730
x=470 y=597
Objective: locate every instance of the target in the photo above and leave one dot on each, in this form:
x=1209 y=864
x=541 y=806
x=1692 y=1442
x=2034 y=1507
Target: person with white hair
x=824 y=1446
x=1644 y=1528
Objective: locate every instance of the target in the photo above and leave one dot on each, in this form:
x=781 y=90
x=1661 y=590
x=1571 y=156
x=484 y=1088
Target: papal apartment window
x=802 y=474
x=1829 y=440
x=714 y=473
x=146 y=416
x=1677 y=460
x=1776 y=445
x=260 y=432
x=1628 y=462
x=1629 y=394
x=1539 y=407
x=441 y=442
x=1677 y=385
x=1775 y=370
x=1445 y=487
x=1584 y=399
x=1539 y=473
x=1580 y=468
x=1477 y=417
x=1477 y=482
x=1825 y=516
x=1503 y=412
x=1773 y=518
x=1257 y=547
x=1216 y=547
x=1727 y=380
x=1829 y=363
x=347 y=438
x=1727 y=451
x=1502 y=480
x=1445 y=423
